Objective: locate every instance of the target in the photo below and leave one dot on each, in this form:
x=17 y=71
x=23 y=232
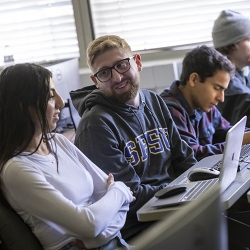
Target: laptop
x=228 y=170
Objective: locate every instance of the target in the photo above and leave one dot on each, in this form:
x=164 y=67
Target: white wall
x=158 y=77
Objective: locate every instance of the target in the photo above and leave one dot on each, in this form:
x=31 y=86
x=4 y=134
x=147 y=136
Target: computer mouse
x=170 y=191
x=198 y=174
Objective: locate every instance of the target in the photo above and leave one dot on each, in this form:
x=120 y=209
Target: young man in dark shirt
x=192 y=101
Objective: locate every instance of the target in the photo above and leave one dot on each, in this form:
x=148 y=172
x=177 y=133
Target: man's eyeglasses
x=122 y=66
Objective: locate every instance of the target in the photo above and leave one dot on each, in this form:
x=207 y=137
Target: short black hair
x=204 y=61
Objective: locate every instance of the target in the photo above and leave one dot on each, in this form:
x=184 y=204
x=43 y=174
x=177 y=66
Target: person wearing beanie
x=231 y=37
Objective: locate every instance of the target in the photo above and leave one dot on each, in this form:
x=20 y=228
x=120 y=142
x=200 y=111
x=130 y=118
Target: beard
x=126 y=96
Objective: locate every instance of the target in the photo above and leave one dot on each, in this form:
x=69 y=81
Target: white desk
x=229 y=197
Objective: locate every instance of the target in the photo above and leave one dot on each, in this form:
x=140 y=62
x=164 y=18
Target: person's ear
x=137 y=58
x=193 y=79
x=94 y=80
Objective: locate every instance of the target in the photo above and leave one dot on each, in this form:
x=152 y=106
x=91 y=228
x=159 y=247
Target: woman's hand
x=132 y=194
x=111 y=180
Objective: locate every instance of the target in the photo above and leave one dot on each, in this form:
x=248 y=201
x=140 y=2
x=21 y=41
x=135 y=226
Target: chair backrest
x=14 y=233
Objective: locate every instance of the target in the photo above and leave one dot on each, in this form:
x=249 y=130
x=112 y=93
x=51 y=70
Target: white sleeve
x=98 y=175
x=37 y=194
x=100 y=188
x=118 y=221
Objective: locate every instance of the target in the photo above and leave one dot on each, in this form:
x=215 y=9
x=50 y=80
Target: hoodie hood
x=87 y=97
x=80 y=96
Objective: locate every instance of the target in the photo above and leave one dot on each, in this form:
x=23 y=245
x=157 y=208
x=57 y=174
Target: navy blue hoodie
x=139 y=146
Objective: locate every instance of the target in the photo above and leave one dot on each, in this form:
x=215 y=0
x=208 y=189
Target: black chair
x=14 y=233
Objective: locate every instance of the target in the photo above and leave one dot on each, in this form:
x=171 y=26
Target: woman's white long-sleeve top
x=70 y=202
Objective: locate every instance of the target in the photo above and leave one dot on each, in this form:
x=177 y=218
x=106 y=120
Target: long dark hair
x=22 y=87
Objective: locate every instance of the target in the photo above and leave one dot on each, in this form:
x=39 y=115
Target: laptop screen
x=231 y=154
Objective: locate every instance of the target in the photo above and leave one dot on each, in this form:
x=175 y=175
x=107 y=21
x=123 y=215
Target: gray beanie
x=229 y=28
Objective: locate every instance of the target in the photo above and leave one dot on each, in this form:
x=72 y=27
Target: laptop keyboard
x=199 y=188
x=217 y=166
x=244 y=158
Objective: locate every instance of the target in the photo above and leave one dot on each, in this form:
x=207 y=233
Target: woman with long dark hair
x=68 y=202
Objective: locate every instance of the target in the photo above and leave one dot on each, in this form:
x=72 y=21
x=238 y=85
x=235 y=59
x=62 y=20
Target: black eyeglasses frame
x=113 y=67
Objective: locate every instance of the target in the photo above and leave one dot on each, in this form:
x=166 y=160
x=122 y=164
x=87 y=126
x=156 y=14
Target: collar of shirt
x=194 y=115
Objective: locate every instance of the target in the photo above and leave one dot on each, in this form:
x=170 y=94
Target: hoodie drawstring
x=132 y=111
x=154 y=117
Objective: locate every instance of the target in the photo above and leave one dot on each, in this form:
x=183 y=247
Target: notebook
x=228 y=170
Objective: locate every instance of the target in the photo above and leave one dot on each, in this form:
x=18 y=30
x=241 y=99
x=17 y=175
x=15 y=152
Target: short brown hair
x=226 y=50
x=103 y=44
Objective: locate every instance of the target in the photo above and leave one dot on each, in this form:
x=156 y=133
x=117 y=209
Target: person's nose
x=220 y=96
x=59 y=102
x=116 y=76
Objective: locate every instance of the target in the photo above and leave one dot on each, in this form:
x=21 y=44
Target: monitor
x=198 y=225
x=66 y=78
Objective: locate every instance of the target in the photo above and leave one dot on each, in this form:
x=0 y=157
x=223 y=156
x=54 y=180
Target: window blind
x=37 y=31
x=154 y=24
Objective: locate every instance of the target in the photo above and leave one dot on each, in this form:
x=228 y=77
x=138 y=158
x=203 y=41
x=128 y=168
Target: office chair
x=14 y=233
